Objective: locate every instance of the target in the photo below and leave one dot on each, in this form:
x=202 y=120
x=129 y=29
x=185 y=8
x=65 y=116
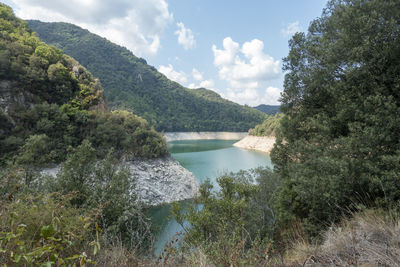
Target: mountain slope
x=268 y=109
x=50 y=103
x=129 y=82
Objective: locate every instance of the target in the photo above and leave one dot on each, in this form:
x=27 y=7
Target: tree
x=339 y=147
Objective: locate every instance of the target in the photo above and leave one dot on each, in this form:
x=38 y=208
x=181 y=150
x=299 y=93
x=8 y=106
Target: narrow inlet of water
x=206 y=159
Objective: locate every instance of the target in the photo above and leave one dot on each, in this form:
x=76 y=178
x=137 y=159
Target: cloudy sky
x=233 y=47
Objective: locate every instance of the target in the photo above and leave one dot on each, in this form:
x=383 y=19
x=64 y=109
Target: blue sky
x=232 y=47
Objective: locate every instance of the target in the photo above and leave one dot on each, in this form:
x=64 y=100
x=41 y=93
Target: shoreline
x=259 y=143
x=177 y=136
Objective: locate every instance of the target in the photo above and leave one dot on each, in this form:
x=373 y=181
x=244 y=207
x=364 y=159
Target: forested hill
x=268 y=109
x=49 y=104
x=129 y=82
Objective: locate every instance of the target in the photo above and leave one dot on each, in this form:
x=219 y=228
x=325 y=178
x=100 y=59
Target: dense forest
x=50 y=102
x=130 y=83
x=332 y=198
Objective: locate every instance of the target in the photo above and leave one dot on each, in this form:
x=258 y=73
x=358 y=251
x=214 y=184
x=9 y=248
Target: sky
x=233 y=47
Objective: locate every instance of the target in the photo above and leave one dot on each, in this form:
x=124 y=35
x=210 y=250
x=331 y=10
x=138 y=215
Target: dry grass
x=368 y=239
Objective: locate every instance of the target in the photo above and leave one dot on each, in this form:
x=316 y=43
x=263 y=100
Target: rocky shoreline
x=176 y=136
x=158 y=181
x=259 y=143
x=163 y=180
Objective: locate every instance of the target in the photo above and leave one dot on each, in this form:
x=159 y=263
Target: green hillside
x=50 y=103
x=130 y=83
x=268 y=109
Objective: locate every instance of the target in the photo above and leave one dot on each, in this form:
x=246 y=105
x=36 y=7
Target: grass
x=371 y=238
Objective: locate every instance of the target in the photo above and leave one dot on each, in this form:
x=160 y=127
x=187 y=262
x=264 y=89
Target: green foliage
x=44 y=231
x=270 y=127
x=35 y=151
x=104 y=184
x=132 y=84
x=339 y=147
x=35 y=68
x=231 y=223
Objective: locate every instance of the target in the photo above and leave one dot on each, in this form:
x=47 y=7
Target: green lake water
x=206 y=159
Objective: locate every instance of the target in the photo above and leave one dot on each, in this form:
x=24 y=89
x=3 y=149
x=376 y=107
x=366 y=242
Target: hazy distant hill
x=129 y=82
x=268 y=109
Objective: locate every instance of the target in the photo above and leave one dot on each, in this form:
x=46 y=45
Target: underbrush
x=371 y=238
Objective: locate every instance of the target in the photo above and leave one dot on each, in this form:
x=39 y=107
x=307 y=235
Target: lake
x=206 y=159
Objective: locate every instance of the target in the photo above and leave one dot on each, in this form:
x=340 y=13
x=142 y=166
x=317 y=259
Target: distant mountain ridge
x=268 y=109
x=130 y=83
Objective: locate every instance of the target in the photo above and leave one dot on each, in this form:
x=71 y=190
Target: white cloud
x=271 y=96
x=228 y=54
x=248 y=65
x=252 y=97
x=135 y=24
x=291 y=29
x=185 y=36
x=209 y=84
x=197 y=74
x=177 y=76
x=247 y=70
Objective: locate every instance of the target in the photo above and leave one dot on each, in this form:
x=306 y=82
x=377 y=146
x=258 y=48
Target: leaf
x=46 y=264
x=53 y=257
x=17 y=258
x=47 y=231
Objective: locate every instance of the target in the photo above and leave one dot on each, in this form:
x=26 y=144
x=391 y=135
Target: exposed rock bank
x=260 y=143
x=163 y=180
x=175 y=136
x=158 y=181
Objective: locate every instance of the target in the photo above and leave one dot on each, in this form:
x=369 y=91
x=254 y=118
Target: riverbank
x=260 y=143
x=163 y=181
x=157 y=181
x=177 y=136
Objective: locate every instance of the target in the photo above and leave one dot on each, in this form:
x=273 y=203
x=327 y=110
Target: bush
x=235 y=225
x=45 y=230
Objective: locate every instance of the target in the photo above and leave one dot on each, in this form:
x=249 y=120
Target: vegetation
x=131 y=84
x=90 y=205
x=52 y=111
x=339 y=144
x=332 y=200
x=367 y=239
x=51 y=102
x=270 y=127
x=45 y=231
x=268 y=109
x=234 y=226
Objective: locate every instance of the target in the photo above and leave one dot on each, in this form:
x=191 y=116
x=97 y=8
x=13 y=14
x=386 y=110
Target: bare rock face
x=162 y=180
x=157 y=181
x=11 y=97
